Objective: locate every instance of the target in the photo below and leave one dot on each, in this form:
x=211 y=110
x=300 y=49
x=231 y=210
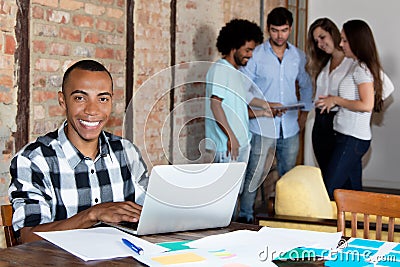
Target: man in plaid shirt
x=78 y=175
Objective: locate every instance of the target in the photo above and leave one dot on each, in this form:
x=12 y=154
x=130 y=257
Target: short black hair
x=279 y=16
x=86 y=64
x=236 y=33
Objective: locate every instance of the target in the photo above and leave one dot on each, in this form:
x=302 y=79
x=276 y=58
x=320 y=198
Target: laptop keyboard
x=130 y=225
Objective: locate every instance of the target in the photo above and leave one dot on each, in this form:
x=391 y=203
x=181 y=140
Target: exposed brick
x=39 y=112
x=118 y=94
x=104 y=53
x=121 y=3
x=70 y=34
x=6 y=62
x=39 y=81
x=96 y=10
x=39 y=46
x=37 y=12
x=61 y=49
x=71 y=4
x=92 y=38
x=6 y=81
x=58 y=16
x=121 y=27
x=115 y=13
x=48 y=65
x=83 y=21
x=39 y=96
x=45 y=30
x=55 y=81
x=191 y=5
x=83 y=51
x=105 y=25
x=5 y=97
x=56 y=110
x=115 y=39
x=9 y=46
x=114 y=121
x=50 y=3
x=107 y=2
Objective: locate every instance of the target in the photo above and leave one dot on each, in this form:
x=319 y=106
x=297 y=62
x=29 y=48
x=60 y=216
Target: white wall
x=382 y=163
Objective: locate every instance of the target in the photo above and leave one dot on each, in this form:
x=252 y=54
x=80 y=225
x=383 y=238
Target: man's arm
x=220 y=118
x=108 y=212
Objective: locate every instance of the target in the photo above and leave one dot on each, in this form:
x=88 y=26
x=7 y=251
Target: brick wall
x=8 y=107
x=62 y=32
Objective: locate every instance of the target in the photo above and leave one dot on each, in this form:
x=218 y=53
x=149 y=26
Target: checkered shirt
x=52 y=180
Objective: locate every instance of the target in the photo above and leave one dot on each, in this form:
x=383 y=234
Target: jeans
x=323 y=138
x=345 y=167
x=258 y=168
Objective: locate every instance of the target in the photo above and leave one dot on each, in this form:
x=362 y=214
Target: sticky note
x=178 y=258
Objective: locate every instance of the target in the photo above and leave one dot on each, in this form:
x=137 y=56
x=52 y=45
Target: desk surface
x=43 y=253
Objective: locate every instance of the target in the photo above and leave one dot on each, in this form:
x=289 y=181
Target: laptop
x=188 y=197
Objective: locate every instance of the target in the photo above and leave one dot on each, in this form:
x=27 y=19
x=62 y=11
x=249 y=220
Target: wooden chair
x=367 y=203
x=6 y=217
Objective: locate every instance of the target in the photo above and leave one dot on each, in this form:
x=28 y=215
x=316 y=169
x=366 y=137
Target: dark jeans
x=345 y=167
x=323 y=138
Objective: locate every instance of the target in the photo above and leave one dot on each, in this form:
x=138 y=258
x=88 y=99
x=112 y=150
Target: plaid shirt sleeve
x=30 y=191
x=138 y=170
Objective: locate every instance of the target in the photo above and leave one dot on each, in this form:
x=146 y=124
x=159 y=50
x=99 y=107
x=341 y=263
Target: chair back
x=6 y=217
x=367 y=203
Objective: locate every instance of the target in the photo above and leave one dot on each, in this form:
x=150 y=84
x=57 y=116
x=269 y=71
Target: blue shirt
x=229 y=84
x=277 y=81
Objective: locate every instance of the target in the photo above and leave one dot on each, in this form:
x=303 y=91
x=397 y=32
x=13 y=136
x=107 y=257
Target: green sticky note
x=173 y=246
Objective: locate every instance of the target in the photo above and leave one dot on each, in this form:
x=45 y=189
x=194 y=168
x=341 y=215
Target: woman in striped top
x=360 y=92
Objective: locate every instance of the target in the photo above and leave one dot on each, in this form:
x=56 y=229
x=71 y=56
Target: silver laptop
x=188 y=197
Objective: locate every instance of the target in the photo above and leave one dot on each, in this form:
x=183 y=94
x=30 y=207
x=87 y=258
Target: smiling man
x=79 y=174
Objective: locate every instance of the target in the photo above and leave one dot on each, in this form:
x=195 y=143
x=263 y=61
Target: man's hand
x=108 y=212
x=116 y=212
x=233 y=147
x=277 y=112
x=302 y=119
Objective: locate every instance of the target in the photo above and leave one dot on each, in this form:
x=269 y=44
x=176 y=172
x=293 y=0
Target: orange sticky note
x=178 y=258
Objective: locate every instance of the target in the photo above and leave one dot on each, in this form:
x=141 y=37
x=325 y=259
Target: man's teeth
x=90 y=123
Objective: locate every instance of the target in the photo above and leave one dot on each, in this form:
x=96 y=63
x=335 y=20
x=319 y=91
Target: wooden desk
x=44 y=253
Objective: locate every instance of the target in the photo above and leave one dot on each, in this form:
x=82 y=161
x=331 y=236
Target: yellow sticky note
x=178 y=258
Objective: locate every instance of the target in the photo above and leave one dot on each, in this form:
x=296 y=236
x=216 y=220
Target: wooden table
x=44 y=253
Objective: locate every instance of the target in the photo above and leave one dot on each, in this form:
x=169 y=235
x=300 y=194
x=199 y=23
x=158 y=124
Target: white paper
x=99 y=243
x=268 y=243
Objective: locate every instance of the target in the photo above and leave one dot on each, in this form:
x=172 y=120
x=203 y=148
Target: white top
x=354 y=123
x=328 y=83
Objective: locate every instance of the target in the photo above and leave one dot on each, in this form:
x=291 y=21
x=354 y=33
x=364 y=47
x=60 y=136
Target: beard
x=239 y=60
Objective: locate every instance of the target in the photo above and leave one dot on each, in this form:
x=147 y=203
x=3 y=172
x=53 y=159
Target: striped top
x=354 y=123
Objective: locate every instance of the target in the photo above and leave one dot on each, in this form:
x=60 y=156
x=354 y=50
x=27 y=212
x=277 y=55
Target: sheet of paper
x=99 y=243
x=268 y=243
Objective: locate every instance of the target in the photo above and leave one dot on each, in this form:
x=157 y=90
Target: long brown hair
x=316 y=58
x=362 y=44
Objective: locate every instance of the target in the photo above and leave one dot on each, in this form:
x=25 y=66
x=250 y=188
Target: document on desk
x=100 y=243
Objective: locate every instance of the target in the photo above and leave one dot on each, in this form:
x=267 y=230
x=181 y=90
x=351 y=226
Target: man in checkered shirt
x=78 y=175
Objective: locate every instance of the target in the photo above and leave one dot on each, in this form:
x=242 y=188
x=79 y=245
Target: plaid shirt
x=52 y=180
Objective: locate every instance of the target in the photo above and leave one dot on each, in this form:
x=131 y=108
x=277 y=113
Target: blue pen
x=132 y=246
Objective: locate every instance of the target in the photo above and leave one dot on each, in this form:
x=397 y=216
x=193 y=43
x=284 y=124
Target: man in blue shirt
x=276 y=67
x=227 y=119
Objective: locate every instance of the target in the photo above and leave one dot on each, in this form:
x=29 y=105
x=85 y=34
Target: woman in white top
x=360 y=92
x=327 y=66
